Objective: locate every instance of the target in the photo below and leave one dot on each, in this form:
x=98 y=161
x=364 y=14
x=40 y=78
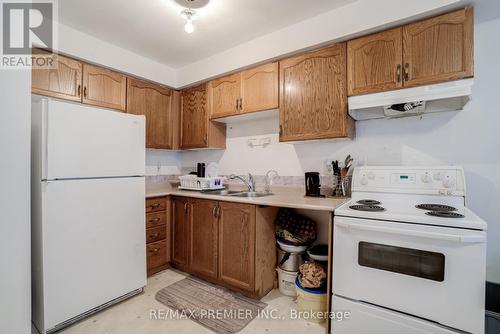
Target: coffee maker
x=313 y=185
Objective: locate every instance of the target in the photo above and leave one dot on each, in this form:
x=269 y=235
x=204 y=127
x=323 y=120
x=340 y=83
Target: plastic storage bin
x=286 y=282
x=311 y=302
x=192 y=182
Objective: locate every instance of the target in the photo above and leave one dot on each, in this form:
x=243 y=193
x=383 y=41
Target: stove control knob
x=438 y=176
x=371 y=176
x=448 y=183
x=426 y=178
x=364 y=181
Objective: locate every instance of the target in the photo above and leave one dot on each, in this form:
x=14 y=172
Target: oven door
x=431 y=272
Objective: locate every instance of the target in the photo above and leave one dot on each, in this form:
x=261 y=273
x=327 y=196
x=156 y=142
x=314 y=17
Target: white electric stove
x=409 y=256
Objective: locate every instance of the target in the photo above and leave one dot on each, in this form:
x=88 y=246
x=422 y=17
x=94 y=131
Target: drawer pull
x=155 y=250
x=154 y=206
x=154 y=220
x=156 y=235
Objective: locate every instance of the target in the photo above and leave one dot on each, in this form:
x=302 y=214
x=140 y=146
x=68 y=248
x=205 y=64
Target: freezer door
x=85 y=142
x=353 y=317
x=93 y=244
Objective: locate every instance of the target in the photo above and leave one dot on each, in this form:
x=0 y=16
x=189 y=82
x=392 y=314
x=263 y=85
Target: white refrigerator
x=88 y=224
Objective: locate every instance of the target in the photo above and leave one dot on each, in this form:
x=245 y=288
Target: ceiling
x=154 y=28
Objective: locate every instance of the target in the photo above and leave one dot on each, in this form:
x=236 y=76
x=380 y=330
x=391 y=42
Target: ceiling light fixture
x=190 y=15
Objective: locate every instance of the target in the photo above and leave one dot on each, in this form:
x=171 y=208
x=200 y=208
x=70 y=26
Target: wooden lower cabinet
x=203 y=237
x=180 y=232
x=237 y=245
x=157 y=236
x=230 y=244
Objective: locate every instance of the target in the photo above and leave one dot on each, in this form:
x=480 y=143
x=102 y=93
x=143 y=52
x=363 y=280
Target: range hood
x=448 y=96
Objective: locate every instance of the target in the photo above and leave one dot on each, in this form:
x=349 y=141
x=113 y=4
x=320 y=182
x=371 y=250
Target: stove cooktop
x=366 y=207
x=445 y=214
x=368 y=202
x=435 y=207
x=417 y=210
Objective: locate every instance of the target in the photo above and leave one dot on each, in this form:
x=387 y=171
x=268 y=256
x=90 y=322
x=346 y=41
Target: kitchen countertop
x=286 y=197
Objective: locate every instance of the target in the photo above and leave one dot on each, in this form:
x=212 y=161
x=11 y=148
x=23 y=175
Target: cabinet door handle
x=237 y=104
x=205 y=139
x=218 y=211
x=398 y=73
x=79 y=90
x=214 y=211
x=241 y=104
x=185 y=207
x=85 y=91
x=407 y=72
x=281 y=130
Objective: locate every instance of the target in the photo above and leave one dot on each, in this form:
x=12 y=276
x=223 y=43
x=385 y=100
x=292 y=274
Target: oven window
x=413 y=262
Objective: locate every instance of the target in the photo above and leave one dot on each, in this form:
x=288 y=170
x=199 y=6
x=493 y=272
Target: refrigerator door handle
x=45 y=139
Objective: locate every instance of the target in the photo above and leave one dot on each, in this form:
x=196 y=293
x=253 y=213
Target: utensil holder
x=341 y=186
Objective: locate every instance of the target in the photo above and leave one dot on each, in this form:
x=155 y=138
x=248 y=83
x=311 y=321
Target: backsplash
x=281 y=181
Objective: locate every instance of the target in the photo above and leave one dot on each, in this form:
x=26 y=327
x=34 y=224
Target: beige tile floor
x=133 y=315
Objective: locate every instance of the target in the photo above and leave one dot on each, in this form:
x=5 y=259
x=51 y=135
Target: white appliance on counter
x=409 y=256
x=88 y=194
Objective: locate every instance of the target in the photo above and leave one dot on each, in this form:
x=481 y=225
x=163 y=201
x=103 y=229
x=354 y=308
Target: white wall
x=470 y=138
x=15 y=278
x=340 y=23
x=89 y=48
x=162 y=162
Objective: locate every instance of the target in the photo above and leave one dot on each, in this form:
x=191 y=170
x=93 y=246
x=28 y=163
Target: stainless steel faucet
x=250 y=183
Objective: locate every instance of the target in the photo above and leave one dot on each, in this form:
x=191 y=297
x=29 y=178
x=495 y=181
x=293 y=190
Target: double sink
x=237 y=193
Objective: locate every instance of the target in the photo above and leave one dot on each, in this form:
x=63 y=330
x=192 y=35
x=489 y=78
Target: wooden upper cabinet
x=259 y=88
x=374 y=62
x=197 y=131
x=180 y=232
x=103 y=87
x=439 y=49
x=313 y=95
x=154 y=102
x=63 y=81
x=203 y=238
x=194 y=117
x=224 y=96
x=237 y=245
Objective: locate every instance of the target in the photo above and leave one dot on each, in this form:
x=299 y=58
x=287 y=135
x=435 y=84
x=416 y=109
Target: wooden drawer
x=156 y=254
x=156 y=219
x=156 y=204
x=156 y=234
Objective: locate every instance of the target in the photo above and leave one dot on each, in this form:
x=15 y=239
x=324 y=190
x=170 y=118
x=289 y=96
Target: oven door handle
x=476 y=238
